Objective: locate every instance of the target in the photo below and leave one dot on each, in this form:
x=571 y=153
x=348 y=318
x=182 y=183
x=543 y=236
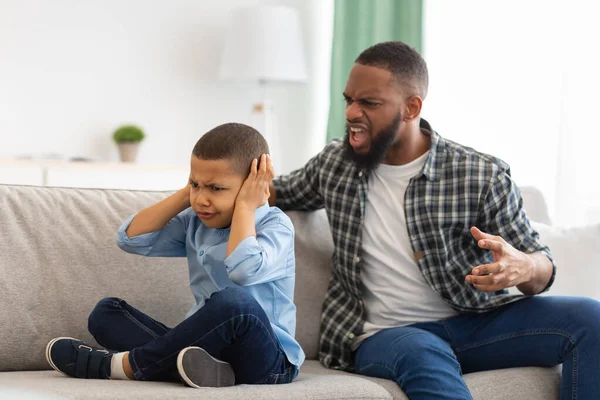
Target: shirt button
x=350 y=335
x=356 y=260
x=201 y=252
x=360 y=174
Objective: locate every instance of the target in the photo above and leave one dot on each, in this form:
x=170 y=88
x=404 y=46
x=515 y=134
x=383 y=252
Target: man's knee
x=99 y=316
x=418 y=349
x=411 y=351
x=583 y=312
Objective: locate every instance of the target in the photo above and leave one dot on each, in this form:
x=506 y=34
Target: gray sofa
x=58 y=257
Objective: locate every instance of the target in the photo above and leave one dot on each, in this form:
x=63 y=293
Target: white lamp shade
x=264 y=43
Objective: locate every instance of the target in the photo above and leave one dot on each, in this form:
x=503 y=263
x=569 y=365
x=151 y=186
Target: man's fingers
x=492 y=245
x=486 y=269
x=486 y=280
x=485 y=288
x=479 y=235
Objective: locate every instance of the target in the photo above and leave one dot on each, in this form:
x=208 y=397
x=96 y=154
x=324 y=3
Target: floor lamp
x=264 y=44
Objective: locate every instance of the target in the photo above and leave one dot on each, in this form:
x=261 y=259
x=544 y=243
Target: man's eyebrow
x=368 y=97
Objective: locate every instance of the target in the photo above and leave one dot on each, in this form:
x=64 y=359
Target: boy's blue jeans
x=231 y=326
x=426 y=359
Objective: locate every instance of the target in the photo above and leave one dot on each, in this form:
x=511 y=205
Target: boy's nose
x=202 y=200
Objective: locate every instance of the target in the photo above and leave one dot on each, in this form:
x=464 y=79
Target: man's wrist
x=533 y=268
x=531 y=285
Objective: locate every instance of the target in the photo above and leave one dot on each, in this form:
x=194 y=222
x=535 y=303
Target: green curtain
x=359 y=24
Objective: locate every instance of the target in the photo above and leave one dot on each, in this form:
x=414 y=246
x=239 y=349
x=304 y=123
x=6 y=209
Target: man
x=428 y=236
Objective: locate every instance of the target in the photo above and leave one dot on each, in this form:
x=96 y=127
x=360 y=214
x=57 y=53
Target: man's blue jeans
x=427 y=359
x=231 y=326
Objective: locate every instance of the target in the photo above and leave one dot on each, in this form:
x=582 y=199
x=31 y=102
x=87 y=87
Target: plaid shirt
x=456 y=189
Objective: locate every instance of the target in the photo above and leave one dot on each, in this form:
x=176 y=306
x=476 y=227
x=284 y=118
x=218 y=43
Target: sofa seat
x=50 y=385
x=314 y=382
x=512 y=383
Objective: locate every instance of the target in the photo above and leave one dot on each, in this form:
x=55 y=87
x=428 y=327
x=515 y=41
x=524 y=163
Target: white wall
x=519 y=79
x=71 y=71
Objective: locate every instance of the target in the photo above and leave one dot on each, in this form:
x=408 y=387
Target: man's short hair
x=238 y=143
x=406 y=65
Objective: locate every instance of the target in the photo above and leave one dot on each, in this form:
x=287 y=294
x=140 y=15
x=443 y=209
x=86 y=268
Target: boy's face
x=214 y=186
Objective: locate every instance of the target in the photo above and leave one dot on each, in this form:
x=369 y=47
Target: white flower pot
x=128 y=151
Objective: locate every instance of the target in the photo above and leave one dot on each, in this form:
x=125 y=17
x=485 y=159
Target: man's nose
x=353 y=111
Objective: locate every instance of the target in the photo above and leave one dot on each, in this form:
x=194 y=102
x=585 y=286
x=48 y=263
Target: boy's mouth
x=205 y=215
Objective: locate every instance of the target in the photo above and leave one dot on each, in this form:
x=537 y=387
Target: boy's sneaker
x=78 y=359
x=199 y=369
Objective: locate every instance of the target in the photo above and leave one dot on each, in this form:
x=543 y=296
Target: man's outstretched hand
x=511 y=267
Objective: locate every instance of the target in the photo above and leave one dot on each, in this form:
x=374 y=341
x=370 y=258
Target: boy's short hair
x=238 y=143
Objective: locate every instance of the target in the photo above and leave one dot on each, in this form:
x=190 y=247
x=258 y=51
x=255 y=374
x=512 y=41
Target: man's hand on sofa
x=511 y=267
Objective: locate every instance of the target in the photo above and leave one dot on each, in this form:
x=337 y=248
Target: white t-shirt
x=393 y=288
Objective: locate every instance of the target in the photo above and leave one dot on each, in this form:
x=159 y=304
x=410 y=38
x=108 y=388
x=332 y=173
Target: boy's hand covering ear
x=255 y=190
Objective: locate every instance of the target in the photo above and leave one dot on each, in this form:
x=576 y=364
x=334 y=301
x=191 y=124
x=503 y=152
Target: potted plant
x=128 y=138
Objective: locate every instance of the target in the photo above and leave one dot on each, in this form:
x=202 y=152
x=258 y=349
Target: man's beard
x=379 y=146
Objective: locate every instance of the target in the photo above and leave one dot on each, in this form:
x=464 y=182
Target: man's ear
x=413 y=108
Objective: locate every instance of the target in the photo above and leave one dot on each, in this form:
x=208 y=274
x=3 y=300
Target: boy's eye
x=216 y=188
x=193 y=184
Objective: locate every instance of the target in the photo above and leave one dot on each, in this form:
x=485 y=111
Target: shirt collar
x=437 y=153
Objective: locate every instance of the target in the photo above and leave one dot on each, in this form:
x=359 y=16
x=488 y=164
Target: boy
x=241 y=262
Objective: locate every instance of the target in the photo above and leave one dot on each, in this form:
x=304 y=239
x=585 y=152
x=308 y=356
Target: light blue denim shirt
x=264 y=265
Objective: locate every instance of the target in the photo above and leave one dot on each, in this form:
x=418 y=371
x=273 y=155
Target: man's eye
x=369 y=103
x=347 y=100
x=193 y=184
x=216 y=188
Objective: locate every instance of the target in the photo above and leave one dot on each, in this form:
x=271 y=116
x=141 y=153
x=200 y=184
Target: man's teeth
x=356 y=129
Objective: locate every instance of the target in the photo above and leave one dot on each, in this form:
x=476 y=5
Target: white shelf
x=101 y=175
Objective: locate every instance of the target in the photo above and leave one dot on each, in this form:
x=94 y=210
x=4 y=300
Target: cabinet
x=99 y=175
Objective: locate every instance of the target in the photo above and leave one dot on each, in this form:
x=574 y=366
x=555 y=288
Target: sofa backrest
x=58 y=257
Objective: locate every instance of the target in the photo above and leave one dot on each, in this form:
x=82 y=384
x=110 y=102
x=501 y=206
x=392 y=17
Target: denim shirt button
x=201 y=253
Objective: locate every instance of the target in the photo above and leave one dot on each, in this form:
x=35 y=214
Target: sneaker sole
x=199 y=369
x=49 y=348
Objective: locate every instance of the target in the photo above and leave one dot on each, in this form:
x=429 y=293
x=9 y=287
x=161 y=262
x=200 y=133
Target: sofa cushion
x=535 y=204
x=576 y=252
x=314 y=248
x=306 y=386
x=59 y=257
x=512 y=383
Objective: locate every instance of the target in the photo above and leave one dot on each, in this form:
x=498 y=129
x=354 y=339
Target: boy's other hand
x=184 y=195
x=255 y=190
